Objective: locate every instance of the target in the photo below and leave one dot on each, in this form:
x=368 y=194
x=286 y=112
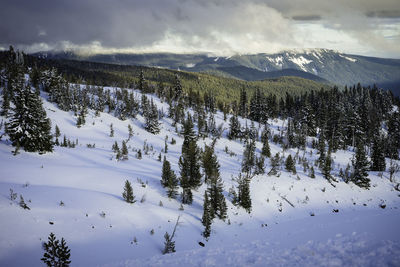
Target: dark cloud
x=223 y=26
x=384 y=14
x=307 y=17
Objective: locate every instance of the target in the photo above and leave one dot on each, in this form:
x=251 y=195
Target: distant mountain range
x=319 y=65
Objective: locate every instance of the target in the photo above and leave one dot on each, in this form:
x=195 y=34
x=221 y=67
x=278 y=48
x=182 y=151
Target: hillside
x=294 y=219
x=224 y=89
x=333 y=66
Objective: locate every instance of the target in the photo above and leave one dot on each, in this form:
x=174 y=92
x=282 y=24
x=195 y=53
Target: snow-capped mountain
x=315 y=64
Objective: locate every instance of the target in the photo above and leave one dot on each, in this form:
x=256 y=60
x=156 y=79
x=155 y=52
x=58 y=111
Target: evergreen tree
x=244 y=199
x=360 y=168
x=312 y=172
x=152 y=124
x=234 y=128
x=168 y=179
x=259 y=168
x=249 y=158
x=57 y=134
x=142 y=85
x=394 y=135
x=177 y=88
x=207 y=216
x=289 y=164
x=321 y=149
x=165 y=173
x=172 y=185
x=189 y=160
x=243 y=103
x=127 y=195
x=209 y=163
x=115 y=147
x=28 y=126
x=56 y=253
x=81 y=118
x=130 y=132
x=327 y=167
x=275 y=163
x=378 y=154
x=124 y=151
x=216 y=187
x=111 y=130
x=169 y=245
x=265 y=151
x=5 y=107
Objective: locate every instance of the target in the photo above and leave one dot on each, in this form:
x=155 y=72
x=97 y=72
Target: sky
x=219 y=27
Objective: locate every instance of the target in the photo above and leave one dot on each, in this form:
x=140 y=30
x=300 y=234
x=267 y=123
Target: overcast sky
x=222 y=27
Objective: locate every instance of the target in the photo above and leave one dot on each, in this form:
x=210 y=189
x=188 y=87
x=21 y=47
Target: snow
x=278 y=61
x=301 y=62
x=90 y=181
x=314 y=70
x=190 y=65
x=342 y=243
x=348 y=58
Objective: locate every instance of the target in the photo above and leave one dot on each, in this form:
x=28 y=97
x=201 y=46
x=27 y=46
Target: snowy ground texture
x=100 y=228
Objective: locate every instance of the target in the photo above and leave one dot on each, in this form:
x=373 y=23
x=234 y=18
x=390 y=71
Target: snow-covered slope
x=101 y=229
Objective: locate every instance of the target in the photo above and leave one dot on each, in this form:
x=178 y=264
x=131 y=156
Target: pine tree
x=115 y=147
x=234 y=128
x=216 y=187
x=243 y=103
x=152 y=124
x=249 y=159
x=165 y=173
x=327 y=167
x=166 y=145
x=312 y=172
x=289 y=164
x=28 y=126
x=124 y=151
x=142 y=85
x=5 y=107
x=360 y=167
x=111 y=130
x=265 y=151
x=259 y=168
x=209 y=163
x=81 y=118
x=206 y=219
x=321 y=149
x=177 y=88
x=169 y=245
x=57 y=134
x=168 y=179
x=244 y=199
x=275 y=163
x=172 y=185
x=378 y=154
x=130 y=132
x=189 y=162
x=56 y=254
x=127 y=195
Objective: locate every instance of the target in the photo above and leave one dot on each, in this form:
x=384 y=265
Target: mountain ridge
x=330 y=65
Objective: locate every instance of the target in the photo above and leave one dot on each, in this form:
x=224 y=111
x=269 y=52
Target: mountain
x=332 y=66
x=226 y=89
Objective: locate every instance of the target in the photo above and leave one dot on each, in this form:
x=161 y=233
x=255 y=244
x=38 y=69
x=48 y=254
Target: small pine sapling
x=128 y=193
x=56 y=253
